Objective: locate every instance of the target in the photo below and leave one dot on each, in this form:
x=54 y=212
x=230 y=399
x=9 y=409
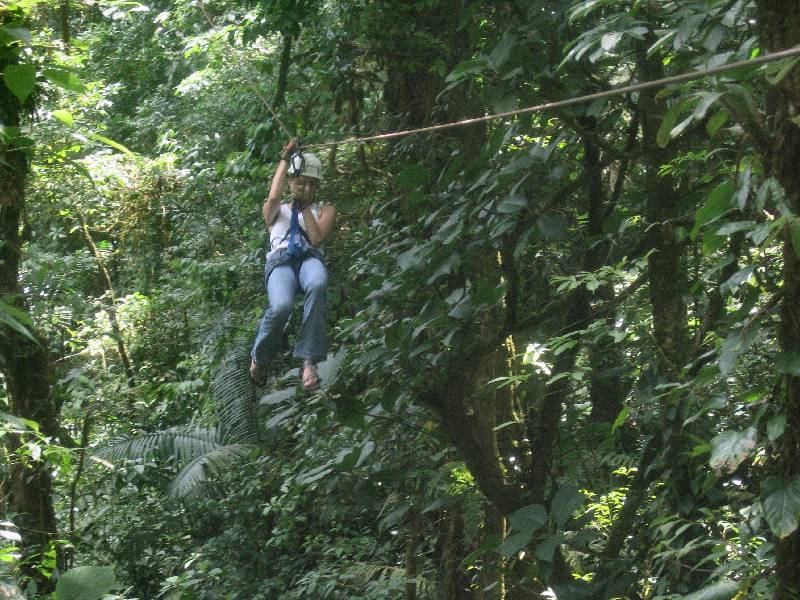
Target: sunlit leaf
x=64 y=116
x=21 y=80
x=65 y=79
x=85 y=583
x=109 y=142
x=730 y=448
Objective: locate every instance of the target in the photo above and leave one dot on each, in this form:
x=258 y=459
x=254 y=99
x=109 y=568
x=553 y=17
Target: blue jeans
x=282 y=283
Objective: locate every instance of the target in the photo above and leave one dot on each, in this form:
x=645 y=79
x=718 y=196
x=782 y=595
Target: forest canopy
x=564 y=355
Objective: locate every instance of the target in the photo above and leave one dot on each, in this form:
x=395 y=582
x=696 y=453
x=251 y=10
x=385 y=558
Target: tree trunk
x=779 y=23
x=605 y=385
x=24 y=363
x=415 y=533
x=112 y=299
x=454 y=583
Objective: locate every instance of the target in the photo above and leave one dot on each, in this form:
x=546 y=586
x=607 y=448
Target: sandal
x=258 y=374
x=309 y=378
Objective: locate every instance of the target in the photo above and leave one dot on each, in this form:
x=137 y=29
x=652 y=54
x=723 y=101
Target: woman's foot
x=309 y=378
x=258 y=374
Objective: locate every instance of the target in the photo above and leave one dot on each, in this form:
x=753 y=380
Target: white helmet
x=305 y=164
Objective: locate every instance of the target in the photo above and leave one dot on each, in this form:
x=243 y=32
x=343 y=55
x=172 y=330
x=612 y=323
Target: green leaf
x=718 y=120
x=722 y=590
x=85 y=583
x=706 y=100
x=735 y=281
x=64 y=116
x=523 y=523
x=736 y=227
x=16 y=319
x=744 y=188
x=734 y=345
x=775 y=427
x=109 y=142
x=621 y=418
x=366 y=450
x=512 y=204
x=730 y=448
x=717 y=204
x=18 y=33
x=20 y=79
x=664 y=134
x=789 y=362
x=65 y=79
x=501 y=52
x=467 y=67
x=567 y=500
x=775 y=72
x=794 y=235
x=552 y=226
x=610 y=40
x=782 y=507
x=546 y=549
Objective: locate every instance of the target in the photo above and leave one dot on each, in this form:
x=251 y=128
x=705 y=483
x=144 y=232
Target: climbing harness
x=297 y=245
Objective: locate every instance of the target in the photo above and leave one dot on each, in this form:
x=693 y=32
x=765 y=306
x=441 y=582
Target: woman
x=296 y=233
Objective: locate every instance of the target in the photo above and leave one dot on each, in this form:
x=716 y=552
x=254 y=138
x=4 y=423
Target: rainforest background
x=566 y=354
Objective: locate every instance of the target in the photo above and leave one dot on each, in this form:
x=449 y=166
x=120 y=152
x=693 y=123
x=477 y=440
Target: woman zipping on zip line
x=297 y=231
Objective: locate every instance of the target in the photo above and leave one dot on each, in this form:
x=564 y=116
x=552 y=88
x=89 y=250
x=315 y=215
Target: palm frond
x=234 y=399
x=211 y=464
x=181 y=443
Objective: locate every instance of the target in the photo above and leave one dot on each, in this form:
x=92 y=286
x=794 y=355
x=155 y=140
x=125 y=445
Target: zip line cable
x=767 y=58
x=618 y=91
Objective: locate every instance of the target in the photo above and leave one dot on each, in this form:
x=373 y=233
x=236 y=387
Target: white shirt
x=279 y=231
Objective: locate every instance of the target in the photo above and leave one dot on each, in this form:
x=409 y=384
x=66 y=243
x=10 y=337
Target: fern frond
x=195 y=474
x=180 y=443
x=234 y=399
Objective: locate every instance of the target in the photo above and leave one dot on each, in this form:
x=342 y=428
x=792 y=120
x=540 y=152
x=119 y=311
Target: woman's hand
x=289 y=149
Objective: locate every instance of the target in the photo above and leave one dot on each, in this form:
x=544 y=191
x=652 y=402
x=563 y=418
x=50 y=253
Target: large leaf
x=16 y=319
x=734 y=345
x=234 y=398
x=567 y=500
x=64 y=79
x=794 y=235
x=181 y=443
x=85 y=583
x=730 y=448
x=718 y=203
x=789 y=362
x=721 y=590
x=20 y=79
x=523 y=524
x=211 y=464
x=782 y=506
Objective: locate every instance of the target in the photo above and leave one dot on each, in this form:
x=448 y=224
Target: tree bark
x=605 y=385
x=112 y=299
x=415 y=533
x=779 y=24
x=24 y=363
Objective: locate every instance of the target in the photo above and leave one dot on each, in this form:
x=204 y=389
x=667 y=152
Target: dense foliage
x=566 y=354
